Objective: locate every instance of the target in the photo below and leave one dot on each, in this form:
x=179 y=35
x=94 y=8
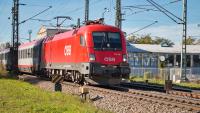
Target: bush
x=3 y=72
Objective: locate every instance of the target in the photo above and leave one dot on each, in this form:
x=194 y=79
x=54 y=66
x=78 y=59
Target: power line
x=41 y=20
x=143 y=28
x=148 y=9
x=165 y=11
x=166 y=4
x=35 y=15
x=184 y=36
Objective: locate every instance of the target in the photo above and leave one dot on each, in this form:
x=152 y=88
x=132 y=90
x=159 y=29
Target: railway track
x=190 y=104
x=176 y=90
x=170 y=100
x=176 y=101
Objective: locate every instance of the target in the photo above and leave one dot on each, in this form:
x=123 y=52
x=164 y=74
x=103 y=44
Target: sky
x=165 y=27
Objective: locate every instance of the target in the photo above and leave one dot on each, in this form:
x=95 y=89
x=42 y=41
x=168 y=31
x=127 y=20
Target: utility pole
x=86 y=10
x=184 y=38
x=29 y=32
x=15 y=34
x=118 y=17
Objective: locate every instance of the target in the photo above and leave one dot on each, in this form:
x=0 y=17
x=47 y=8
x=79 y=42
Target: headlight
x=92 y=57
x=124 y=58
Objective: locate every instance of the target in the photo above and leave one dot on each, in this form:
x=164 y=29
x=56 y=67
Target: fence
x=165 y=73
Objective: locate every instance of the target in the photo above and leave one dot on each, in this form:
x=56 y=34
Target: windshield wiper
x=102 y=42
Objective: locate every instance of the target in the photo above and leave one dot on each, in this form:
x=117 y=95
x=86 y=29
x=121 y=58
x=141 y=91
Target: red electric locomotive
x=95 y=53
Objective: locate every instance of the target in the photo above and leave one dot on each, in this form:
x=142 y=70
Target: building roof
x=46 y=31
x=152 y=48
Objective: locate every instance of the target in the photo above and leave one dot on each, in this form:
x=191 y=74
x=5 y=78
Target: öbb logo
x=109 y=59
x=67 y=50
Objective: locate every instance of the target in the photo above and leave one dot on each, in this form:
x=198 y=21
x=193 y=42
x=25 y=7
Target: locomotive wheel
x=73 y=78
x=79 y=78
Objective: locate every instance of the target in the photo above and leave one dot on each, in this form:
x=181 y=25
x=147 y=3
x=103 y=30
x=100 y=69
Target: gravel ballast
x=110 y=101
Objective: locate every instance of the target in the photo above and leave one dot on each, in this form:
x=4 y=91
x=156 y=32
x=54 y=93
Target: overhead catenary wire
x=165 y=4
x=166 y=12
x=165 y=9
x=148 y=9
x=143 y=28
x=41 y=20
x=35 y=15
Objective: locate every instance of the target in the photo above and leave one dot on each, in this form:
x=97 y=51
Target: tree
x=189 y=41
x=145 y=40
x=160 y=40
x=132 y=39
x=197 y=42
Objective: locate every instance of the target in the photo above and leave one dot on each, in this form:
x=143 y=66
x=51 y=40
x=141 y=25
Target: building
x=47 y=31
x=148 y=56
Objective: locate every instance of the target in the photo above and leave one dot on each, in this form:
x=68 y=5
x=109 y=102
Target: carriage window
x=26 y=53
x=18 y=54
x=29 y=53
x=23 y=53
x=82 y=41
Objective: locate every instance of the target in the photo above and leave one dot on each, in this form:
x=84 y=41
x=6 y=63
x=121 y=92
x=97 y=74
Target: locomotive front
x=107 y=55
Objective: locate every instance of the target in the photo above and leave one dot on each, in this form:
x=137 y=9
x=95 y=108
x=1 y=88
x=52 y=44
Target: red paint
x=56 y=49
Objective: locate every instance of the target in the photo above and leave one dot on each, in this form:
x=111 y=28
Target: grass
x=153 y=81
x=162 y=82
x=21 y=97
x=189 y=85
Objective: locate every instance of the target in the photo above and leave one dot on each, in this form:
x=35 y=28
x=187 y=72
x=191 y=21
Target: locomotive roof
x=93 y=27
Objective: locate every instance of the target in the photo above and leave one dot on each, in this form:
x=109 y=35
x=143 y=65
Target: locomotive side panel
x=62 y=52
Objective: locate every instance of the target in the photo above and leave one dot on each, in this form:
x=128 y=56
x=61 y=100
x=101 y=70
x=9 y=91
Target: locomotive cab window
x=107 y=41
x=82 y=40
